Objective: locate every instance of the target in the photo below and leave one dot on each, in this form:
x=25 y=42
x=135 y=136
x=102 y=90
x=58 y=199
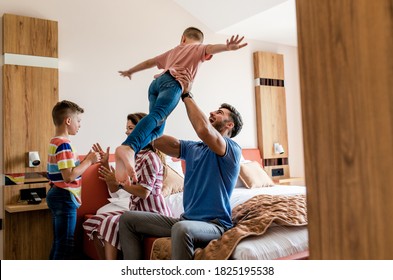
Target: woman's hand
x=107 y=175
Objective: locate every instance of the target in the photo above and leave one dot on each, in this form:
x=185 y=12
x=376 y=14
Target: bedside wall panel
x=271 y=112
x=30 y=36
x=29 y=93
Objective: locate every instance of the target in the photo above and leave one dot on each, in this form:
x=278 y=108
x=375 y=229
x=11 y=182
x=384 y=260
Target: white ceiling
x=264 y=20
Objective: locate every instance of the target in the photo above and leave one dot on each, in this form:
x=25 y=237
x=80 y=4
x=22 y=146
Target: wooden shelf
x=35 y=180
x=294 y=181
x=16 y=208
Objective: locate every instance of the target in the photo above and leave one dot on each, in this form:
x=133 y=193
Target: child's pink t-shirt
x=184 y=56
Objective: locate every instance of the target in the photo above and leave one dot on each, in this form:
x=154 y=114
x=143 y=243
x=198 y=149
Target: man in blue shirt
x=212 y=168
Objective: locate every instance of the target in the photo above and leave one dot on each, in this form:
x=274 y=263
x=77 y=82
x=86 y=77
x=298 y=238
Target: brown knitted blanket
x=251 y=218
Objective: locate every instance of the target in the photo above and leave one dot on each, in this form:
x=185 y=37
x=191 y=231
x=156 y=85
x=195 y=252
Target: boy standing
x=64 y=173
x=165 y=92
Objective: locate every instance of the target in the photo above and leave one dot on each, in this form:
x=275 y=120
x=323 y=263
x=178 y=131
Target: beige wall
x=97 y=38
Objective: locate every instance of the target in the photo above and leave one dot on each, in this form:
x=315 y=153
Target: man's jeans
x=186 y=235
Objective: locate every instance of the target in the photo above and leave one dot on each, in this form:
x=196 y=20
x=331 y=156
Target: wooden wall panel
x=12 y=192
x=285 y=169
x=268 y=65
x=30 y=36
x=26 y=231
x=271 y=120
x=30 y=235
x=346 y=83
x=271 y=112
x=29 y=94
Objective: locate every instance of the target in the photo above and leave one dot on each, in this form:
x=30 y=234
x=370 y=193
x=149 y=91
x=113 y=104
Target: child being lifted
x=179 y=64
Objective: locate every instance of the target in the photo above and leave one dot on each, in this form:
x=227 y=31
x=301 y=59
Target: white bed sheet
x=277 y=242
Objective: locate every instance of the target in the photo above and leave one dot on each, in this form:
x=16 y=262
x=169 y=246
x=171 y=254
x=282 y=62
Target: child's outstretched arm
x=139 y=67
x=70 y=174
x=232 y=44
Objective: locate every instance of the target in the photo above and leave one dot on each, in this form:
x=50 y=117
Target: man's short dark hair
x=236 y=118
x=64 y=109
x=194 y=33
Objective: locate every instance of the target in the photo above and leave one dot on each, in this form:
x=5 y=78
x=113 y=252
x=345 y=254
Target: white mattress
x=278 y=241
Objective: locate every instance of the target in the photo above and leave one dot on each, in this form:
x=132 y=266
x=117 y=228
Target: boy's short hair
x=64 y=109
x=236 y=118
x=194 y=33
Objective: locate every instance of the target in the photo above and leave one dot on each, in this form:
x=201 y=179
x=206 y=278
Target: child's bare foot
x=125 y=157
x=120 y=172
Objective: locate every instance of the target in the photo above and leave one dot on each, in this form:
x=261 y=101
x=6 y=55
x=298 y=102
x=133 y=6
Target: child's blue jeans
x=63 y=207
x=164 y=95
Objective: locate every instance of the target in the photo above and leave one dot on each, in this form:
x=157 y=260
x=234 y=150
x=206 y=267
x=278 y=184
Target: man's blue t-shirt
x=209 y=181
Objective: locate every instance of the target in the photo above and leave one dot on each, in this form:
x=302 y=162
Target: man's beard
x=219 y=126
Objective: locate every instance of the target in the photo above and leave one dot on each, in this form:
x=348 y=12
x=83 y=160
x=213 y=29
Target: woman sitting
x=145 y=195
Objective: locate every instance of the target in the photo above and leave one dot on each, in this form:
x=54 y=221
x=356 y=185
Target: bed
x=276 y=242
x=282 y=236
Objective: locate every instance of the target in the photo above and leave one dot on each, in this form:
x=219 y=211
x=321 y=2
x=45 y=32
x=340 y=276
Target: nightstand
x=294 y=181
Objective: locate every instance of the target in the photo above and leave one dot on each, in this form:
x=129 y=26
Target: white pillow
x=239 y=182
x=116 y=204
x=243 y=160
x=175 y=165
x=119 y=193
x=122 y=194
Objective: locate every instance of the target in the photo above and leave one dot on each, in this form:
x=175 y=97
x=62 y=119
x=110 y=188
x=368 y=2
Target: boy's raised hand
x=234 y=43
x=104 y=156
x=125 y=74
x=93 y=156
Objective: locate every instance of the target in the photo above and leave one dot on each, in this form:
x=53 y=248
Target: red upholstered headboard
x=252 y=154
